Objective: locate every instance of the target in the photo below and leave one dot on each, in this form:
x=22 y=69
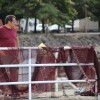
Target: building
x=86 y=25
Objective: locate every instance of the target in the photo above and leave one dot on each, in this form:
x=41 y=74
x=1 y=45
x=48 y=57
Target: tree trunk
x=43 y=27
x=35 y=25
x=64 y=29
x=58 y=29
x=26 y=26
x=99 y=25
x=72 y=26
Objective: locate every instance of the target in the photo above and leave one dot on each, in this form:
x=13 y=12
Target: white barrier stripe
x=63 y=64
x=60 y=81
x=46 y=65
x=42 y=82
x=14 y=48
x=14 y=83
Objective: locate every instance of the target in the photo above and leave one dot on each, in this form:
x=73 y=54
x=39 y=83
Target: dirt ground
x=61 y=95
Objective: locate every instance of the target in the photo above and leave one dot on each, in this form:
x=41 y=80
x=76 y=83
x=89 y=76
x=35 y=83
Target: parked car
x=39 y=27
x=68 y=28
x=54 y=28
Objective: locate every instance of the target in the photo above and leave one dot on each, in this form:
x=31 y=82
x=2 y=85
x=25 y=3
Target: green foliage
x=66 y=9
x=1 y=2
x=87 y=8
x=79 y=6
x=94 y=8
x=26 y=7
x=61 y=10
x=56 y=11
x=47 y=11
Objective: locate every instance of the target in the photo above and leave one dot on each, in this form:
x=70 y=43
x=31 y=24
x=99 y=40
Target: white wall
x=31 y=22
x=87 y=25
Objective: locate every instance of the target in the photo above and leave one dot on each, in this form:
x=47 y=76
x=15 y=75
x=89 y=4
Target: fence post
x=98 y=96
x=30 y=86
x=56 y=77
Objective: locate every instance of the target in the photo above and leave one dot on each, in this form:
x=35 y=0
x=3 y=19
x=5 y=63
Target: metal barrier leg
x=56 y=77
x=30 y=86
x=99 y=96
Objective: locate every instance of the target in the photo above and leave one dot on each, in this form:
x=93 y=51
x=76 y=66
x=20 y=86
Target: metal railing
x=30 y=65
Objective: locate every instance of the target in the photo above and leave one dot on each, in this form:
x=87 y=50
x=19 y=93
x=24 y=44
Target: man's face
x=13 y=23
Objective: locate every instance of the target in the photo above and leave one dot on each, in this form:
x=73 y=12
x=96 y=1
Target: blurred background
x=53 y=16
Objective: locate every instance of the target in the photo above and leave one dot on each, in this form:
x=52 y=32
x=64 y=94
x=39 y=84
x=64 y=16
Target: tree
x=7 y=7
x=56 y=11
x=87 y=8
x=47 y=12
x=81 y=10
x=27 y=8
x=94 y=8
x=3 y=11
x=66 y=9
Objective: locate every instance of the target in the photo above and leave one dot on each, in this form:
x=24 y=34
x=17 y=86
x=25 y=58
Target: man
x=8 y=38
